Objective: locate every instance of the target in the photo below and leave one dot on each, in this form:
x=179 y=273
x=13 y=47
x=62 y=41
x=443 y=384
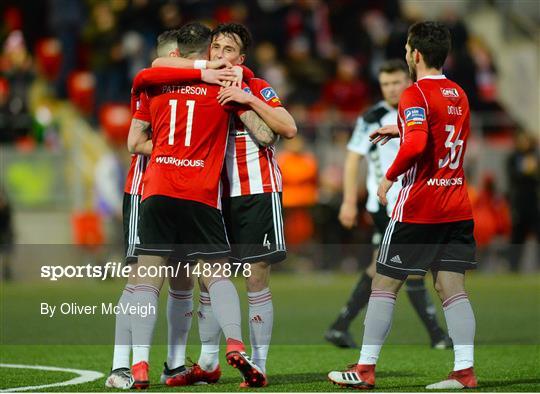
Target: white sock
x=143 y=323
x=226 y=307
x=461 y=328
x=210 y=334
x=377 y=325
x=261 y=318
x=179 y=316
x=122 y=332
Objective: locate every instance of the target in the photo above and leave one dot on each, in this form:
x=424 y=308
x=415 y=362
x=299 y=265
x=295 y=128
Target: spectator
x=66 y=18
x=17 y=76
x=346 y=92
x=299 y=175
x=524 y=174
x=6 y=236
x=107 y=58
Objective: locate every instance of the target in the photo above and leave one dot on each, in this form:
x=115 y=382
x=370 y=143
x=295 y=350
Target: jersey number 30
x=190 y=104
x=452 y=158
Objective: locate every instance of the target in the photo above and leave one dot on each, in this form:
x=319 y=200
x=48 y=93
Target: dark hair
x=193 y=38
x=167 y=37
x=232 y=29
x=394 y=65
x=432 y=40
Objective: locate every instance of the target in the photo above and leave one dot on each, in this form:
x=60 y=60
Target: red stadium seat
x=87 y=229
x=49 y=57
x=115 y=120
x=81 y=90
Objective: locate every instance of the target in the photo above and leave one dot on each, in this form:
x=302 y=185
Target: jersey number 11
x=190 y=104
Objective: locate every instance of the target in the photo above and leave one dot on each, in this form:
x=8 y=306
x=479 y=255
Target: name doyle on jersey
x=103 y=308
x=185 y=89
x=179 y=162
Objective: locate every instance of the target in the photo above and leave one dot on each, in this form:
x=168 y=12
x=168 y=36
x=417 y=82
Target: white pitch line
x=85 y=376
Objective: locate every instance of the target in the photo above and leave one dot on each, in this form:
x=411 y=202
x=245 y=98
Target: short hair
x=432 y=40
x=393 y=65
x=193 y=39
x=167 y=41
x=232 y=29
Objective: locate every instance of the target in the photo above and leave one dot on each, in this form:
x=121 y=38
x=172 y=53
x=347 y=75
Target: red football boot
x=140 y=375
x=358 y=376
x=237 y=358
x=194 y=375
x=462 y=379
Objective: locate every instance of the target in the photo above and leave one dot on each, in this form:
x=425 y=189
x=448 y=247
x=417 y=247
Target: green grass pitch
x=507 y=355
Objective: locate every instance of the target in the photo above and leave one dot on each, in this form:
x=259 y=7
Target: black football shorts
x=413 y=249
x=181 y=229
x=255 y=227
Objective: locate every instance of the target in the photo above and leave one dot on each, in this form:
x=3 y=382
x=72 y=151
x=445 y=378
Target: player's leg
x=120 y=376
x=143 y=321
x=423 y=305
x=377 y=324
x=158 y=234
x=207 y=369
x=179 y=317
x=449 y=270
x=461 y=327
x=209 y=332
x=261 y=312
x=339 y=334
x=396 y=260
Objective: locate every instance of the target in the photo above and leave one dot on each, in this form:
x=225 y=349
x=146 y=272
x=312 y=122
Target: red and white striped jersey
x=138 y=162
x=251 y=168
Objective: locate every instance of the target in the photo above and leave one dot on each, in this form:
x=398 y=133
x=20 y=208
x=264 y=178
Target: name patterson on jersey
x=185 y=89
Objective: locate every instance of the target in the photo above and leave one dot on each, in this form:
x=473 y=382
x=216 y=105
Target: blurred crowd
x=322 y=58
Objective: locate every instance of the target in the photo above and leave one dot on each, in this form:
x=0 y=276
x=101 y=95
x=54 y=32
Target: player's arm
x=257 y=127
x=348 y=211
x=277 y=118
x=245 y=75
x=169 y=75
x=415 y=136
x=357 y=148
x=139 y=141
x=179 y=62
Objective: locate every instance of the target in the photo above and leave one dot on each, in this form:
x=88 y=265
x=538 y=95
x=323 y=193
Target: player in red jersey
x=120 y=376
x=251 y=200
x=251 y=197
x=180 y=215
x=431 y=226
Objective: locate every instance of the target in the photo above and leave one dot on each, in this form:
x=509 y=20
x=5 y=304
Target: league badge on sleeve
x=415 y=115
x=269 y=95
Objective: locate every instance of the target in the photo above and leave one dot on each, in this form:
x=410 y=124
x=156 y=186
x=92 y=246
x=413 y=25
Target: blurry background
x=66 y=70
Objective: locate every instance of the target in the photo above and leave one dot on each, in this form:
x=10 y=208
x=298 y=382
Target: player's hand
x=218 y=77
x=385 y=185
x=384 y=134
x=218 y=63
x=239 y=71
x=233 y=93
x=347 y=215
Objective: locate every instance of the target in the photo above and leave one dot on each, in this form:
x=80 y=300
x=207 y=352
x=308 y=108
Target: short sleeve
x=413 y=110
x=359 y=142
x=143 y=110
x=262 y=89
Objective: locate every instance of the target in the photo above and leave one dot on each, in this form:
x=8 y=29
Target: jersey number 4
x=456 y=148
x=190 y=104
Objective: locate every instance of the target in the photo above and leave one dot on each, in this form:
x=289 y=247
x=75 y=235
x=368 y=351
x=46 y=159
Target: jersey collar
x=440 y=76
